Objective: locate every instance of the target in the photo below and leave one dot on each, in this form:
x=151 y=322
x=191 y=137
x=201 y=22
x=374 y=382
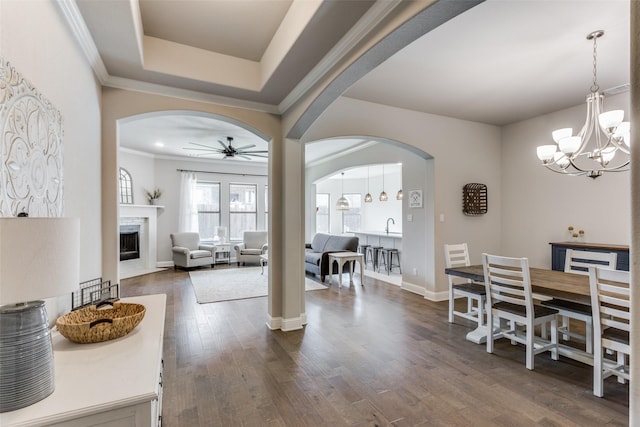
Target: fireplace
x=129 y=242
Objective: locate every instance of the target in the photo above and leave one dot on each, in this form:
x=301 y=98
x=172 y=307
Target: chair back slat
x=507 y=279
x=456 y=255
x=610 y=299
x=578 y=262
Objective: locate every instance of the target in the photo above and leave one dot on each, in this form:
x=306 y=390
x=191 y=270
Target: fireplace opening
x=129 y=242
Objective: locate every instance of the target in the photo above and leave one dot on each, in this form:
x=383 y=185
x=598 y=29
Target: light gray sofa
x=316 y=257
x=254 y=244
x=188 y=252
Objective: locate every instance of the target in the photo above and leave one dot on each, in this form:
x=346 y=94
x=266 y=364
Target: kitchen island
x=380 y=238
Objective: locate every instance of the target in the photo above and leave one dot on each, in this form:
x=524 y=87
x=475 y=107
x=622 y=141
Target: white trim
x=437 y=296
x=78 y=27
x=274 y=323
x=339 y=154
x=413 y=288
x=165 y=264
x=190 y=95
x=292 y=324
x=356 y=34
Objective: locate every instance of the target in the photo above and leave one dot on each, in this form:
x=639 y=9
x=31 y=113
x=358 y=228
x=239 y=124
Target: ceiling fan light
x=399 y=195
x=368 y=198
x=546 y=152
x=558 y=134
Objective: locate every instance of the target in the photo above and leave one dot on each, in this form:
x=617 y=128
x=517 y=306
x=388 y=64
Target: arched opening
x=368 y=163
x=230 y=193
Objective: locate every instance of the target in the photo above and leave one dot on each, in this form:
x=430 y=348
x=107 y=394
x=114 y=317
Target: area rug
x=234 y=283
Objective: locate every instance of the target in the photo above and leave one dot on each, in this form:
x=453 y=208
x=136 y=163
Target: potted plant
x=153 y=196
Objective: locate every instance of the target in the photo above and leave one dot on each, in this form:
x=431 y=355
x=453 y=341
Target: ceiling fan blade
x=256 y=152
x=211 y=150
x=244 y=146
x=202 y=145
x=257 y=155
x=223 y=144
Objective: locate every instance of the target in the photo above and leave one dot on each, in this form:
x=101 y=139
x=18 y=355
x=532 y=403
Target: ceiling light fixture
x=367 y=197
x=399 y=194
x=228 y=151
x=343 y=203
x=383 y=195
x=567 y=155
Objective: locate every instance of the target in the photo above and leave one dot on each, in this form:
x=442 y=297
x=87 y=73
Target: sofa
x=188 y=252
x=254 y=244
x=316 y=257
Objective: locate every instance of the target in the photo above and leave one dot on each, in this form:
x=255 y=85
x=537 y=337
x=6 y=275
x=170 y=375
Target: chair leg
x=554 y=338
x=529 y=346
x=489 y=331
x=451 y=304
x=513 y=326
x=622 y=360
x=597 y=372
x=480 y=311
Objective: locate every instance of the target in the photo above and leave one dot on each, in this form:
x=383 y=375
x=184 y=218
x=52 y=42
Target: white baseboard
x=164 y=264
x=286 y=325
x=274 y=323
x=430 y=295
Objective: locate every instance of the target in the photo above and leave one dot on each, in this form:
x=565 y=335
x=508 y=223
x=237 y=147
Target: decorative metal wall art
x=31 y=149
x=474 y=199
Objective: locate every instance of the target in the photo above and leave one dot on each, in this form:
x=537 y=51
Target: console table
x=559 y=251
x=114 y=383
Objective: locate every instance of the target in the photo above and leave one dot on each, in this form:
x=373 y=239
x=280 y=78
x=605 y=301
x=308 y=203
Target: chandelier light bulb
x=610 y=120
x=570 y=144
x=546 y=152
x=607 y=155
x=559 y=134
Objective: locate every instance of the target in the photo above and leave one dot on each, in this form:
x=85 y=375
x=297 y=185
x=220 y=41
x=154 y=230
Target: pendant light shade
x=399 y=195
x=367 y=197
x=343 y=203
x=383 y=195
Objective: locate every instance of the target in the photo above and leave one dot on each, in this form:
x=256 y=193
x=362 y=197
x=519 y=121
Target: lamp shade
x=39 y=258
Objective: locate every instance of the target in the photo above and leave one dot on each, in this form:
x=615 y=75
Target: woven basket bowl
x=90 y=324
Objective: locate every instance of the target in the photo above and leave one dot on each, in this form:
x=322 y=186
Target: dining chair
x=508 y=291
x=457 y=255
x=610 y=301
x=578 y=262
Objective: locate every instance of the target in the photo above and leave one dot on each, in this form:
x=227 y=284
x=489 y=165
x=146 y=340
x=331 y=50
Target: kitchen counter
x=380 y=238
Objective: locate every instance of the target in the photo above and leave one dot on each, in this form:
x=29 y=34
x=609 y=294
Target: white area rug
x=234 y=283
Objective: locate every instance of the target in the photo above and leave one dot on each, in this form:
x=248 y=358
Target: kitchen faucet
x=387 y=228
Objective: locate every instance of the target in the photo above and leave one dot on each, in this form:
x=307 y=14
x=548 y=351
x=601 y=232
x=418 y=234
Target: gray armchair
x=254 y=244
x=188 y=252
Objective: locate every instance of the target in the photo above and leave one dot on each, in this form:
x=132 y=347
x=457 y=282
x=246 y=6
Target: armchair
x=188 y=252
x=254 y=244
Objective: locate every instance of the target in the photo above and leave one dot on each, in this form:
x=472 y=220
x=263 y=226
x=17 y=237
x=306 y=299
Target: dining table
x=544 y=283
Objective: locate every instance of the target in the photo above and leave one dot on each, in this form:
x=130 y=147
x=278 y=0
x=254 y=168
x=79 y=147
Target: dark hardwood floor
x=371 y=356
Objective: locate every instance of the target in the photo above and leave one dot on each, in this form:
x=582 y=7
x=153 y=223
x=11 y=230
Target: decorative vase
x=153 y=201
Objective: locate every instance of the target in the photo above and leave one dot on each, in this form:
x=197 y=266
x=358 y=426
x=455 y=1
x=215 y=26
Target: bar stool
x=387 y=254
x=373 y=252
x=363 y=250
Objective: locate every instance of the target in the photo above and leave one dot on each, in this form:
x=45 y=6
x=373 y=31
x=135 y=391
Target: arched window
x=126 y=187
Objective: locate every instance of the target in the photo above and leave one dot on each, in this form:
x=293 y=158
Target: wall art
x=31 y=149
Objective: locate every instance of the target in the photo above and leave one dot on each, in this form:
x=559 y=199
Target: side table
x=346 y=257
x=264 y=259
x=222 y=253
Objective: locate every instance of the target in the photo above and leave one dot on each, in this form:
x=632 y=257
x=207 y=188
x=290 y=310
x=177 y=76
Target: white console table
x=112 y=383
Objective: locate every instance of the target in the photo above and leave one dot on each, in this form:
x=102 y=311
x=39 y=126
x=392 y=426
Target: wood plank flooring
x=372 y=356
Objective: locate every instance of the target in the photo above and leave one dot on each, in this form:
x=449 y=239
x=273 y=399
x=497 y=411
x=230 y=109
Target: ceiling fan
x=228 y=151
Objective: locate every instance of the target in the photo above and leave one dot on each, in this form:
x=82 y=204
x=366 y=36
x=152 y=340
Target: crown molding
x=379 y=11
x=76 y=24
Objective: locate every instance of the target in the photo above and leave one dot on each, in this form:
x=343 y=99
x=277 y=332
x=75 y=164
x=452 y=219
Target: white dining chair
x=578 y=262
x=457 y=255
x=610 y=301
x=508 y=292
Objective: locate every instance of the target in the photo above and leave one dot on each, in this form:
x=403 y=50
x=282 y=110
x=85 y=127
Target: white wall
x=538 y=205
x=35 y=39
x=141 y=167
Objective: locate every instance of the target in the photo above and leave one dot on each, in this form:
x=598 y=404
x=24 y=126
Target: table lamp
x=39 y=258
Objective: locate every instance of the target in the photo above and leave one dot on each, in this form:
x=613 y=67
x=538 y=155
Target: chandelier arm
x=587 y=130
x=564 y=171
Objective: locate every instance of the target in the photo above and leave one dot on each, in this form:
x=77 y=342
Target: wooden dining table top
x=556 y=284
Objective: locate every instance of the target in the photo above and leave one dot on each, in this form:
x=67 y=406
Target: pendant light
x=383 y=195
x=399 y=194
x=367 y=197
x=343 y=203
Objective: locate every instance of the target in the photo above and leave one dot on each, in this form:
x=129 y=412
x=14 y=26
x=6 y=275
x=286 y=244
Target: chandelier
x=570 y=154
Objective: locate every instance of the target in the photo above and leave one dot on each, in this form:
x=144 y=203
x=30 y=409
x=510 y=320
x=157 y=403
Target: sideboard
x=114 y=383
x=559 y=251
